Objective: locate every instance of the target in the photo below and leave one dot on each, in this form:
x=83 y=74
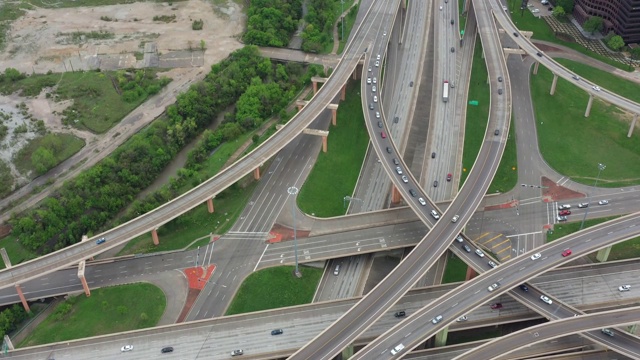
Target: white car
x=479 y=253
x=375 y=80
x=368 y=80
x=583 y=205
x=405 y=179
x=462 y=318
x=535 y=11
x=397 y=349
x=561 y=218
x=493 y=287
x=377 y=63
x=596 y=88
x=455 y=218
x=564 y=207
x=536 y=256
x=399 y=170
x=384 y=33
x=459 y=239
x=373 y=88
x=237 y=352
x=624 y=288
x=505 y=8
x=375 y=99
x=422 y=202
x=127 y=348
x=603 y=202
x=492 y=264
x=436 y=319
x=369 y=69
x=546 y=299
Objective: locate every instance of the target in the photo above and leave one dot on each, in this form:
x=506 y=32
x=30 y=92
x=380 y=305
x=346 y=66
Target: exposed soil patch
x=281 y=233
x=555 y=192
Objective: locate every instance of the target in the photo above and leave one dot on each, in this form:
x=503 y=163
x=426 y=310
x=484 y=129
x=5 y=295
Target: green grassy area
x=541 y=31
x=106 y=311
x=462 y=18
x=275 y=288
x=477 y=116
x=67 y=145
x=335 y=173
x=604 y=79
x=328 y=46
x=196 y=223
x=507 y=174
x=349 y=20
x=97 y=105
x=455 y=271
x=17 y=253
x=6 y=179
x=574 y=145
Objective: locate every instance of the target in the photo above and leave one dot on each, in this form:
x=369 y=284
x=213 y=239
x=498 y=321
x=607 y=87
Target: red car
x=449 y=177
x=565 y=212
x=496 y=306
x=384 y=136
x=566 y=253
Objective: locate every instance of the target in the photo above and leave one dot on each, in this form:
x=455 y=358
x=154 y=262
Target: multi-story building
x=620 y=16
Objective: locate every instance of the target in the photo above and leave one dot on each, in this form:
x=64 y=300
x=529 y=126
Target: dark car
x=564 y=212
x=100 y=241
x=452 y=22
x=389 y=150
x=435 y=183
x=400 y=313
x=499 y=91
x=496 y=306
x=499 y=78
x=396 y=119
x=466 y=248
x=497 y=132
x=453 y=49
x=395 y=161
x=515 y=34
x=411 y=84
x=524 y=288
x=380 y=124
x=370 y=106
x=539 y=53
x=276 y=332
x=413 y=192
x=167 y=349
x=433 y=155
x=449 y=176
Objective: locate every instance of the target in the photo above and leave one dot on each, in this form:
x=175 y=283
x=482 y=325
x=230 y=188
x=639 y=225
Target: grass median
x=336 y=172
x=107 y=311
x=573 y=144
x=455 y=271
x=275 y=288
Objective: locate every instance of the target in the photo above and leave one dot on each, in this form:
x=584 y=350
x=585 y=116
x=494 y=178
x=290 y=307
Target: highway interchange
x=492 y=150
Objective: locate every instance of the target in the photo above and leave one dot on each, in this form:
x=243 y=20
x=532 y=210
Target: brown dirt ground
x=555 y=192
x=281 y=233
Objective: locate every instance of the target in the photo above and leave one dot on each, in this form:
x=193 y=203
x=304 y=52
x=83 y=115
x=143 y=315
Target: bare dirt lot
x=43 y=40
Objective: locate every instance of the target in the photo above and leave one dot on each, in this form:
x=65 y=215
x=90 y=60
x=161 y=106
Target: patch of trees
x=567 y=5
x=272 y=22
x=320 y=18
x=10 y=318
x=613 y=41
x=593 y=24
x=87 y=203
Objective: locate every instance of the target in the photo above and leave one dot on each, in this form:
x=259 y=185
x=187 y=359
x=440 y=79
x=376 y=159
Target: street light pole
x=600 y=168
x=293 y=191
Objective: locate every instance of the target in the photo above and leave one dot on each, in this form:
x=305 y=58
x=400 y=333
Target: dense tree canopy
x=272 y=22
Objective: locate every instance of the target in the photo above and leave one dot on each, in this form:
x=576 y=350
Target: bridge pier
x=7 y=341
x=83 y=280
x=471 y=273
x=23 y=300
x=633 y=125
x=347 y=352
x=441 y=337
x=315 y=87
x=210 y=205
x=324 y=144
x=334 y=113
x=586 y=113
x=154 y=236
x=553 y=84
x=5 y=258
x=343 y=92
x=395 y=195
x=256 y=173
x=603 y=254
x=535 y=68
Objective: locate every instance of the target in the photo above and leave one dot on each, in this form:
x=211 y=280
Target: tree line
x=272 y=22
x=90 y=201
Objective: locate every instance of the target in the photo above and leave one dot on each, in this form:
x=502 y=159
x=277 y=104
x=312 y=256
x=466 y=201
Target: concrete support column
x=324 y=144
x=315 y=87
x=210 y=205
x=7 y=341
x=5 y=258
x=299 y=107
x=441 y=337
x=154 y=236
x=83 y=280
x=343 y=92
x=603 y=254
x=586 y=113
x=395 y=195
x=347 y=352
x=470 y=273
x=334 y=116
x=633 y=329
x=633 y=125
x=23 y=300
x=256 y=173
x=553 y=84
x=535 y=68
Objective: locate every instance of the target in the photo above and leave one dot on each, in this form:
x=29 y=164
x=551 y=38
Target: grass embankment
x=462 y=17
x=335 y=173
x=629 y=249
x=455 y=271
x=574 y=145
x=106 y=311
x=275 y=288
x=349 y=20
x=542 y=31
